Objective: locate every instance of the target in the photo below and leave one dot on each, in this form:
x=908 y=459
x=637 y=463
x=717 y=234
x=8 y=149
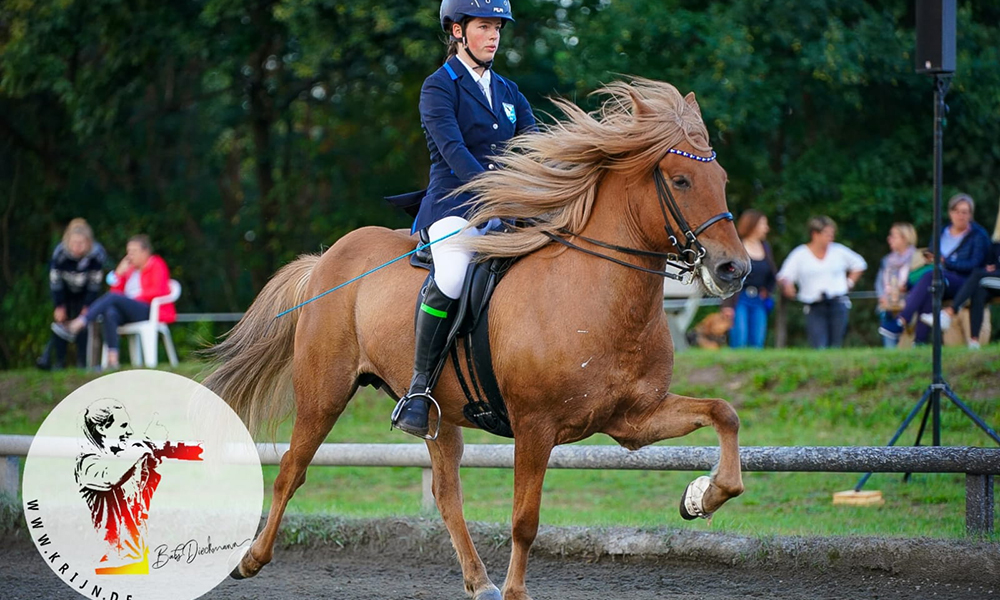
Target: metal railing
x=979 y=465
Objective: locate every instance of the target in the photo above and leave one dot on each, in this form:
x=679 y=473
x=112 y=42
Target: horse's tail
x=254 y=366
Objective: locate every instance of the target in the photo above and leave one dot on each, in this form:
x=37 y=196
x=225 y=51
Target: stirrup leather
x=431 y=434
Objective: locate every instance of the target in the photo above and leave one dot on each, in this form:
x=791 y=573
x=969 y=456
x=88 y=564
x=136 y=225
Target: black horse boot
x=433 y=322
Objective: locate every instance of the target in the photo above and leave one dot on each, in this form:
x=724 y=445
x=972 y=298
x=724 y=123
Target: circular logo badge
x=142 y=485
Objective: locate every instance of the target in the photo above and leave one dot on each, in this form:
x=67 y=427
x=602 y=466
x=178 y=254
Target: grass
x=784 y=397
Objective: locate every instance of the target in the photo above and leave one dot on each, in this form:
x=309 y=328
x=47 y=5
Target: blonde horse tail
x=253 y=364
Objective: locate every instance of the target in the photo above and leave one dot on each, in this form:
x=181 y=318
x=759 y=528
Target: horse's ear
x=690 y=100
x=639 y=107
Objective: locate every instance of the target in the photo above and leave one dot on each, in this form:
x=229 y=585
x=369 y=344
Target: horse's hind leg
x=446 y=455
x=676 y=416
x=319 y=402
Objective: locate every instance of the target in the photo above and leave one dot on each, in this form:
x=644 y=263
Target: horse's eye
x=681 y=182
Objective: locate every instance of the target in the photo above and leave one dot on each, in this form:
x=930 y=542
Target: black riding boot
x=433 y=323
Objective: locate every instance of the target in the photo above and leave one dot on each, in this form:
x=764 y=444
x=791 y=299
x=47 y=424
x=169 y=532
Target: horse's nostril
x=730 y=271
x=726 y=270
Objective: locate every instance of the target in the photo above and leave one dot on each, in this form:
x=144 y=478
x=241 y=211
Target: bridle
x=690 y=253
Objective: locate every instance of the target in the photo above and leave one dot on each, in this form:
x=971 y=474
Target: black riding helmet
x=460 y=11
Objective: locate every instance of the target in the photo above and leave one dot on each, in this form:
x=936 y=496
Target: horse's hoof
x=692 y=506
x=490 y=593
x=248 y=567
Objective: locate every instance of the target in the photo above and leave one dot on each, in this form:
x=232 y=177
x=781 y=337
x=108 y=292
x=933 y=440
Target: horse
x=580 y=344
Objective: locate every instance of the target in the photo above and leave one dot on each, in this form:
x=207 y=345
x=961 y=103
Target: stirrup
x=399 y=409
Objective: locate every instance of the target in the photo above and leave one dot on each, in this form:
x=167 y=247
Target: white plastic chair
x=142 y=334
x=679 y=318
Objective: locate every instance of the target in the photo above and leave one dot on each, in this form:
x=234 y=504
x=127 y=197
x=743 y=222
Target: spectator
x=75 y=275
x=748 y=310
x=964 y=245
x=972 y=289
x=139 y=277
x=890 y=282
x=825 y=272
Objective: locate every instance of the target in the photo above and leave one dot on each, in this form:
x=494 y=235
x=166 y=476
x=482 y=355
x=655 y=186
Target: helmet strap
x=486 y=64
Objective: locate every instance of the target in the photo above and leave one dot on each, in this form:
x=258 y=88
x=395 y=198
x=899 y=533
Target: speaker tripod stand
x=938 y=387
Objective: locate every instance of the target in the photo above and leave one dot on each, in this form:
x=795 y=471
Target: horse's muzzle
x=726 y=277
x=731 y=272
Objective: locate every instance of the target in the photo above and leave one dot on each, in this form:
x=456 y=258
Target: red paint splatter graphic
x=117 y=478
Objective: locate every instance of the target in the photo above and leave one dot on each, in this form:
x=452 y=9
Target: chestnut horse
x=580 y=344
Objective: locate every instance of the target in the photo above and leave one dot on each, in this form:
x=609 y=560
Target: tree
x=239 y=135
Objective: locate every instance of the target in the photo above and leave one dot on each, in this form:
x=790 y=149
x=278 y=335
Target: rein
x=671 y=257
x=692 y=251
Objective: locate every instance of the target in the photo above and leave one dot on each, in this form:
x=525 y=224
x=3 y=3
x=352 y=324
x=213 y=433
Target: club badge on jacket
x=509 y=109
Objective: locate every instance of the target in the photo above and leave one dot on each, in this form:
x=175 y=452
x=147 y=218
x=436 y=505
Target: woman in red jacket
x=139 y=277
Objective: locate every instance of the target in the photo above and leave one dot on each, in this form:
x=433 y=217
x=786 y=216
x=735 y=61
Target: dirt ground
x=373 y=571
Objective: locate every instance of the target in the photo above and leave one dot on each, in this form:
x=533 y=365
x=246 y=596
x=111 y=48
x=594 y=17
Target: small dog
x=711 y=331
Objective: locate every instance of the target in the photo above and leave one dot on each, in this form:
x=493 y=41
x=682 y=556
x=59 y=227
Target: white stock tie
x=486 y=92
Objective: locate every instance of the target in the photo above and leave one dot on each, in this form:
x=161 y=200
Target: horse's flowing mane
x=549 y=178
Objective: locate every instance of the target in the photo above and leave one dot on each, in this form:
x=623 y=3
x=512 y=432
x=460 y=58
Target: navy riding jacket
x=463 y=132
x=971 y=253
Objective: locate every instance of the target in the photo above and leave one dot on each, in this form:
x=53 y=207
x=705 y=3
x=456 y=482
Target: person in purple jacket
x=468 y=114
x=980 y=287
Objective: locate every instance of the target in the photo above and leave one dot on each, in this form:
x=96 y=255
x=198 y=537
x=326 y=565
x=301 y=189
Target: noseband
x=691 y=252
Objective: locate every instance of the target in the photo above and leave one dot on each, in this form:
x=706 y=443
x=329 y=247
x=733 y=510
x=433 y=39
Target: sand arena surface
x=404 y=559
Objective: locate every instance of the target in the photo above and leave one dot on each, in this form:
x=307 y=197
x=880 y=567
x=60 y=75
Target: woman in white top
x=824 y=272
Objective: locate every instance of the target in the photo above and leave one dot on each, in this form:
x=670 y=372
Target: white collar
x=486 y=77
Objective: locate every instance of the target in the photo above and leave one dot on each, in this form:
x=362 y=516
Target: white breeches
x=451 y=257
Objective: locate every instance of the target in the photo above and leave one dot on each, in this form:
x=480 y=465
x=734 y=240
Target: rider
x=468 y=113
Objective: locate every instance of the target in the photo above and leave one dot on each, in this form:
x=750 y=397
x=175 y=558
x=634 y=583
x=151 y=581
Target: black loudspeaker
x=935 y=36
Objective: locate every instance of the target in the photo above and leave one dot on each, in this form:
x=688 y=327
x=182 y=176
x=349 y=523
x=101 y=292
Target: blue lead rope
x=365 y=274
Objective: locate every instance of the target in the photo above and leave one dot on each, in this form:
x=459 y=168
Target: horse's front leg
x=676 y=416
x=531 y=458
x=446 y=457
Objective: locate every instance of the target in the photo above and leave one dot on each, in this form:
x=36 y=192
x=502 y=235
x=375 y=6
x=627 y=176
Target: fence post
x=978 y=504
x=9 y=475
x=781 y=320
x=427 y=496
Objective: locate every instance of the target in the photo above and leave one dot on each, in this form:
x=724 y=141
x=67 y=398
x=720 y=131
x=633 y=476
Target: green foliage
x=814 y=107
x=239 y=135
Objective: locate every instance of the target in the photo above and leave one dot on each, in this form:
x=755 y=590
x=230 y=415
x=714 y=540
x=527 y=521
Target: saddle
x=485 y=407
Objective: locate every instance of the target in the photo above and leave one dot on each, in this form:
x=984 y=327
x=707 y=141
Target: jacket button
x=492 y=166
x=495 y=126
x=493 y=146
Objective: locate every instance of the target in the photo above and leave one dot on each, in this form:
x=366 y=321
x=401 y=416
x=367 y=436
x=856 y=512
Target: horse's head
x=687 y=190
x=699 y=226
